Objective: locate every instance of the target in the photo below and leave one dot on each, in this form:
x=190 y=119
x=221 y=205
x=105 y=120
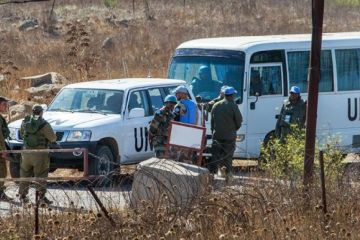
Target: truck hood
x=69 y=120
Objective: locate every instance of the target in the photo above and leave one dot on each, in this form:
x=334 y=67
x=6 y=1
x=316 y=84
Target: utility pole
x=313 y=89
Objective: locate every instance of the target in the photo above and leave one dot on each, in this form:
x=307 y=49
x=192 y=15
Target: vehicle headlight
x=79 y=135
x=14 y=133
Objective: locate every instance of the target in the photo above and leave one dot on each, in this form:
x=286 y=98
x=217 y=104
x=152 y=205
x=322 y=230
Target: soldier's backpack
x=32 y=137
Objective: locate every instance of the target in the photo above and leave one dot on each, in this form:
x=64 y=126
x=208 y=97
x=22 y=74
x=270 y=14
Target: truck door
x=265 y=97
x=136 y=141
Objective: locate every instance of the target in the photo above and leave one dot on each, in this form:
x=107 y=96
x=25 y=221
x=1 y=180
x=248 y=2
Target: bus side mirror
x=252 y=104
x=277 y=116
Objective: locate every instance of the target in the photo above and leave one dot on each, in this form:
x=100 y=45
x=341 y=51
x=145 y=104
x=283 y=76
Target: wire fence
x=117 y=205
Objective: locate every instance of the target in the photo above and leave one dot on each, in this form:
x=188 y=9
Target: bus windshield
x=206 y=71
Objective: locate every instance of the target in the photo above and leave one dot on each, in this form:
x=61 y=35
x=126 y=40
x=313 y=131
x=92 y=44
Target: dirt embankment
x=97 y=39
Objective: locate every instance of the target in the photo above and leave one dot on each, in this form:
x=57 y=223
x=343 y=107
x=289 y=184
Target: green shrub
x=286 y=160
x=110 y=3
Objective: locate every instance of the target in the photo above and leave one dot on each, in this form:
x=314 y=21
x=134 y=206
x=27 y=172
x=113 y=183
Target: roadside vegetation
x=255 y=210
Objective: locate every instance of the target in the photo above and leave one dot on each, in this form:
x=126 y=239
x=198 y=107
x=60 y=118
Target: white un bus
x=281 y=62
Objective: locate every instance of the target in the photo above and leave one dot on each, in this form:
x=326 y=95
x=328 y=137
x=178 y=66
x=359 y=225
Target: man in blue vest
x=186 y=110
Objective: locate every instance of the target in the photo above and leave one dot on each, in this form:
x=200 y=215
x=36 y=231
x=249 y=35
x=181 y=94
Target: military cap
x=37 y=109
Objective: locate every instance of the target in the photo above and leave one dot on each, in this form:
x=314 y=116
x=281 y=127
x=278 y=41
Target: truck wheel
x=14 y=165
x=102 y=164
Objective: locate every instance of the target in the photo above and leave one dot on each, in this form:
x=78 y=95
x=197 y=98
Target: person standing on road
x=37 y=134
x=159 y=127
x=226 y=119
x=293 y=112
x=4 y=133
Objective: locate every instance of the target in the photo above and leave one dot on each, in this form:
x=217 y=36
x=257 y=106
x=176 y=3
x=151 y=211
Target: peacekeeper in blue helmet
x=204 y=82
x=159 y=126
x=186 y=110
x=293 y=113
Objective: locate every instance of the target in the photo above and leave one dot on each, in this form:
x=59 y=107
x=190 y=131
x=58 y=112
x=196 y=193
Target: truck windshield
x=88 y=100
x=206 y=71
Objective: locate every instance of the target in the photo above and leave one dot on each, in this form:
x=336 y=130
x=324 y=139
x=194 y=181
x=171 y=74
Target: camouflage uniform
x=291 y=114
x=36 y=164
x=159 y=131
x=4 y=133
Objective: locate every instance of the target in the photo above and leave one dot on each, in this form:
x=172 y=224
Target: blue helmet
x=170 y=98
x=295 y=89
x=204 y=69
x=230 y=91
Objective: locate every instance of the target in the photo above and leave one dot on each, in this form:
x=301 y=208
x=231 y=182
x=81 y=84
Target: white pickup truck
x=109 y=117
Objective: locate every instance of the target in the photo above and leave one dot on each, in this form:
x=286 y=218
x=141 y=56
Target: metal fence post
x=36 y=213
x=322 y=178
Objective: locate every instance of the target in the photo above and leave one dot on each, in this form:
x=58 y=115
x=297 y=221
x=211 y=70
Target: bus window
x=348 y=69
x=265 y=80
x=207 y=74
x=298 y=70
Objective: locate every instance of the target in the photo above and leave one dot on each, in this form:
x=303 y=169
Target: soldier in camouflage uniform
x=4 y=133
x=293 y=113
x=37 y=134
x=159 y=127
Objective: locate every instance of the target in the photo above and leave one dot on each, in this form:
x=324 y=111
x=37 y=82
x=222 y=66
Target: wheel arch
x=268 y=136
x=112 y=144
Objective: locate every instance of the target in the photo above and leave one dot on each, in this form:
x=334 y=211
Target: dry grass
x=143 y=40
x=269 y=210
